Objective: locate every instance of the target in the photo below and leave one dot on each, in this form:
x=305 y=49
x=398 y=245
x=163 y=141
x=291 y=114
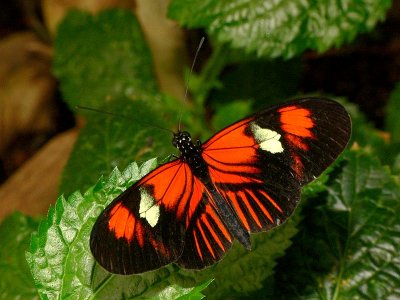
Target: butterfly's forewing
x=260 y=163
x=141 y=229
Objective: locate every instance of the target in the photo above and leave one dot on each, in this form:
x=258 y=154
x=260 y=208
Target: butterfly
x=246 y=178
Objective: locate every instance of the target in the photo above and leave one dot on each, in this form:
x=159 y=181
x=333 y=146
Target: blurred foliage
x=392 y=110
x=340 y=243
x=15 y=279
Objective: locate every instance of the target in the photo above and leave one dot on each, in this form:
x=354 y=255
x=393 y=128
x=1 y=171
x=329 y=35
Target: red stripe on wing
x=272 y=201
x=242 y=216
x=121 y=222
x=215 y=218
x=263 y=209
x=198 y=249
x=230 y=155
x=228 y=137
x=296 y=120
x=214 y=235
x=205 y=238
x=241 y=195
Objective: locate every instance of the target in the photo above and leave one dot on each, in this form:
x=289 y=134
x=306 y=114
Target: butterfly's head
x=181 y=139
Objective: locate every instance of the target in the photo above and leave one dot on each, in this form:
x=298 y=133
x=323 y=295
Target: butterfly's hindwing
x=207 y=237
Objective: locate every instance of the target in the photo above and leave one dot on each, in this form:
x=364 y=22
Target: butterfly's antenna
x=120 y=116
x=188 y=79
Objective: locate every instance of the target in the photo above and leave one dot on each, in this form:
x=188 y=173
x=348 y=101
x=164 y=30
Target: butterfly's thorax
x=191 y=153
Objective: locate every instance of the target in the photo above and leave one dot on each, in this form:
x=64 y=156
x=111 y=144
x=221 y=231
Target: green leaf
x=61 y=261
x=103 y=62
x=365 y=198
x=348 y=248
x=103 y=57
x=180 y=293
x=393 y=112
x=281 y=27
x=16 y=281
x=105 y=143
x=243 y=272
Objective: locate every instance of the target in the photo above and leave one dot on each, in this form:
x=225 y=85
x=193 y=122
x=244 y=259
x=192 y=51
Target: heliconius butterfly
x=246 y=178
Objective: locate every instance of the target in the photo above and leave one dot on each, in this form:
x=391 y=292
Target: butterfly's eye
x=175 y=140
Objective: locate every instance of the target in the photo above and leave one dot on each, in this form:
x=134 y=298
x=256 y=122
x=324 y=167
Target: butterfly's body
x=246 y=178
x=192 y=155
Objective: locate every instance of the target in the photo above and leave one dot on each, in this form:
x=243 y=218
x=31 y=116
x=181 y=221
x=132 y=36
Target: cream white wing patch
x=148 y=208
x=268 y=140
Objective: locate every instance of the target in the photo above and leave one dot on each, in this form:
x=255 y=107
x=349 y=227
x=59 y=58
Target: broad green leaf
x=393 y=112
x=102 y=57
x=103 y=62
x=348 y=248
x=365 y=202
x=280 y=27
x=61 y=262
x=16 y=281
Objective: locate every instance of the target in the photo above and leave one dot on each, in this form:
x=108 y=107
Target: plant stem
x=208 y=78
